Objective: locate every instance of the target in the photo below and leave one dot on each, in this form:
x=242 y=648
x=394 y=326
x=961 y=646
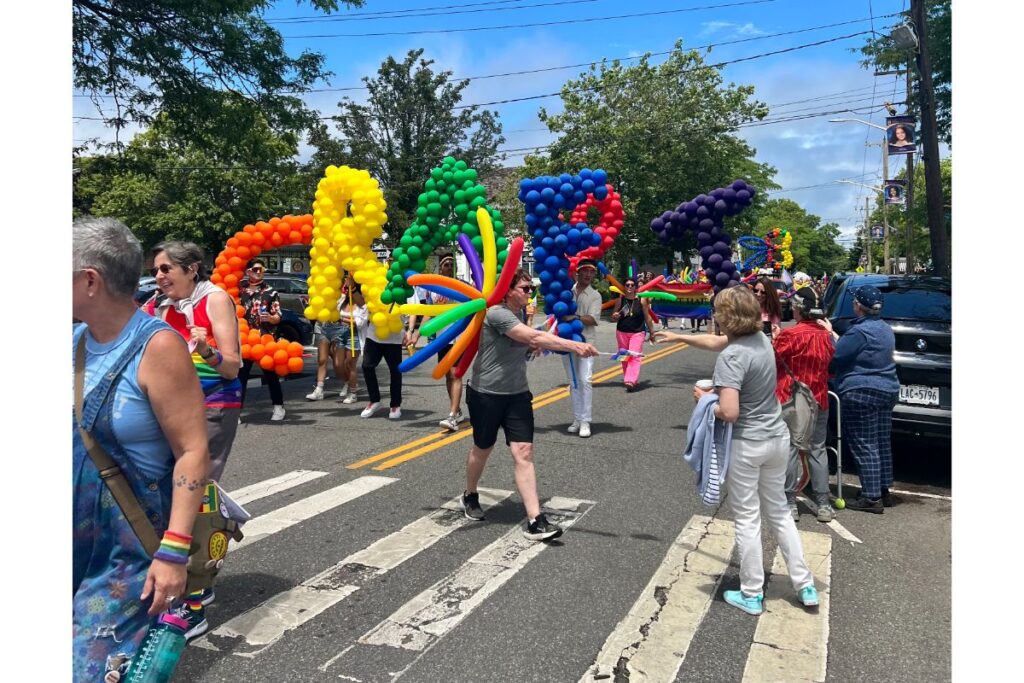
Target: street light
x=885 y=176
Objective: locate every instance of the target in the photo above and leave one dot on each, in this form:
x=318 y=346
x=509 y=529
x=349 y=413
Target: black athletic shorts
x=444 y=352
x=512 y=412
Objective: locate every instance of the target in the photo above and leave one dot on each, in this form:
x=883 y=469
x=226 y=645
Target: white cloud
x=711 y=27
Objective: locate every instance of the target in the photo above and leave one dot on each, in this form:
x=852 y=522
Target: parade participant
x=771 y=309
x=263 y=312
x=588 y=310
x=865 y=379
x=498 y=395
x=806 y=350
x=374 y=349
x=531 y=307
x=446 y=267
x=744 y=379
x=204 y=315
x=143 y=405
x=337 y=342
x=631 y=315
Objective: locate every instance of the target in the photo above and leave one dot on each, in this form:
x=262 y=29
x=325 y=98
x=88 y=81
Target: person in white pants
x=588 y=310
x=756 y=479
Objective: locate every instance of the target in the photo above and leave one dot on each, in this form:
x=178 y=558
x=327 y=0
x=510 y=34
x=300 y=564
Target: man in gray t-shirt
x=498 y=396
x=748 y=366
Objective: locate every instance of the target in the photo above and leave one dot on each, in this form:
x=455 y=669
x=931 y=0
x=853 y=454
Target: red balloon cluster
x=608 y=227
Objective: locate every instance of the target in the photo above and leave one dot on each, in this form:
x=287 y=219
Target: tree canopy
x=412 y=119
x=880 y=53
x=137 y=57
x=663 y=133
x=198 y=186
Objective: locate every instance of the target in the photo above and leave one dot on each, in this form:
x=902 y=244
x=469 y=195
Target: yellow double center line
x=432 y=442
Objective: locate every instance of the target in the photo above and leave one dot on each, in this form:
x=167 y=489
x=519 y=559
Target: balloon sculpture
x=349 y=212
x=555 y=242
x=771 y=252
x=464 y=319
x=229 y=268
x=704 y=216
x=448 y=207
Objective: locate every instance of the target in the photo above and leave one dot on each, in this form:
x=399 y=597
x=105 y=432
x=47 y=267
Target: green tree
x=663 y=133
x=815 y=249
x=879 y=53
x=195 y=186
x=143 y=56
x=410 y=122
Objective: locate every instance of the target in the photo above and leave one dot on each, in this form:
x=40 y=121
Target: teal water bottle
x=160 y=650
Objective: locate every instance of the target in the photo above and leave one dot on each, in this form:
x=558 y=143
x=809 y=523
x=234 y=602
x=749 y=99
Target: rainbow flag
x=692 y=301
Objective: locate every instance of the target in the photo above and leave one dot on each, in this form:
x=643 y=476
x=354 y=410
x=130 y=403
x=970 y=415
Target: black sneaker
x=541 y=529
x=196 y=618
x=865 y=504
x=887 y=500
x=471 y=506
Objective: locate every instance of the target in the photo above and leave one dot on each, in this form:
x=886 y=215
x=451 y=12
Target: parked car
x=919 y=309
x=295 y=327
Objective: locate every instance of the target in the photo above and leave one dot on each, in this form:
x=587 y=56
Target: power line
x=424 y=12
x=563 y=22
x=399 y=11
x=663 y=53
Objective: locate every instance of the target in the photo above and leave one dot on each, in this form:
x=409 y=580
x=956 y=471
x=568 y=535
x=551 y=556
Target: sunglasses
x=758 y=291
x=631 y=284
x=525 y=288
x=162 y=268
x=256 y=269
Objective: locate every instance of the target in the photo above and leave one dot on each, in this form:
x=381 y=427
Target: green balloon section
x=446 y=208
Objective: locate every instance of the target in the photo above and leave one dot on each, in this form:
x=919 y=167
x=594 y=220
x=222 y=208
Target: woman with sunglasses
x=631 y=316
x=262 y=306
x=771 y=309
x=204 y=315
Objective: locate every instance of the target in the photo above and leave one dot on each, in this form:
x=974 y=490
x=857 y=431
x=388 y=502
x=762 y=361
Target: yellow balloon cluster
x=348 y=214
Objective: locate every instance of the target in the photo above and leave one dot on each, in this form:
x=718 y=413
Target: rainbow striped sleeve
x=219 y=392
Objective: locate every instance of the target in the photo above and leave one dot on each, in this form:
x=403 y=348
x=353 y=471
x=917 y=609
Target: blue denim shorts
x=339 y=335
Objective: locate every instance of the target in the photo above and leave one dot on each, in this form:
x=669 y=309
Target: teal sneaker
x=749 y=605
x=809 y=596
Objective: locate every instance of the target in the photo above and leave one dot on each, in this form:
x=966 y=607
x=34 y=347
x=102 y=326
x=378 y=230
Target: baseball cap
x=869 y=297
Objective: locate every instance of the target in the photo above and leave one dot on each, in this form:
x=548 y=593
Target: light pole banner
x=878 y=232
x=901 y=133
x=895 y=194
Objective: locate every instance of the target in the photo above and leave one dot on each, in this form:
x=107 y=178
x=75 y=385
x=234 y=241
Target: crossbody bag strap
x=109 y=470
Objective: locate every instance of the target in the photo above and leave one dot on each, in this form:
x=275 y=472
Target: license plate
x=917 y=394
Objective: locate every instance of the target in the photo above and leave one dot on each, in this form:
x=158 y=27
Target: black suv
x=919 y=309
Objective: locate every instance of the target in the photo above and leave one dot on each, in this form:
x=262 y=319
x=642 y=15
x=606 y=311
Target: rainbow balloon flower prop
x=772 y=251
x=460 y=323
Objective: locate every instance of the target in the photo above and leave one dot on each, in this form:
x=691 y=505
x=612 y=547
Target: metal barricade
x=838 y=450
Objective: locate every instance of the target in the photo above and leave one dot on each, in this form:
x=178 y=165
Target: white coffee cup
x=705 y=384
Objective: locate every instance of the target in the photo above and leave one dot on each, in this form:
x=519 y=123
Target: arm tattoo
x=191 y=485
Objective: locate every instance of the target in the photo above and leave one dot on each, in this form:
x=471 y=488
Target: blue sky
x=809 y=154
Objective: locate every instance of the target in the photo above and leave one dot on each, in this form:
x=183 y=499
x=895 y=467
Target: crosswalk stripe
x=300 y=511
x=791 y=643
x=259 y=628
x=269 y=487
x=423 y=621
x=651 y=642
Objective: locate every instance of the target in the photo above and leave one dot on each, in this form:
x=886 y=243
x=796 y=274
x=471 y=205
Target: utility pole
x=867 y=231
x=930 y=140
x=885 y=207
x=909 y=227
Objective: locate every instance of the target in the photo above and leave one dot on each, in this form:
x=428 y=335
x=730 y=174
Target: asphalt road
x=319 y=596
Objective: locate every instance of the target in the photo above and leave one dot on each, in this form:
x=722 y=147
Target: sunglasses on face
x=162 y=268
x=758 y=291
x=630 y=284
x=525 y=288
x=256 y=269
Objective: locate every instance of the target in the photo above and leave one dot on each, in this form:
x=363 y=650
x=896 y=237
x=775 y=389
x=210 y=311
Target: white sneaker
x=574 y=427
x=584 y=429
x=370 y=409
x=317 y=395
x=450 y=423
x=351 y=398
x=395 y=414
x=278 y=414
x=459 y=417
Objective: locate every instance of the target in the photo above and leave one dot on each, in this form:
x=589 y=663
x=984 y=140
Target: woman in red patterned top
x=262 y=306
x=806 y=348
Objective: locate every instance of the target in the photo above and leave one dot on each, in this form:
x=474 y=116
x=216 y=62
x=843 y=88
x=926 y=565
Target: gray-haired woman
x=143 y=405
